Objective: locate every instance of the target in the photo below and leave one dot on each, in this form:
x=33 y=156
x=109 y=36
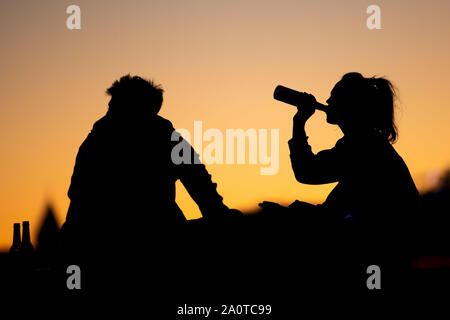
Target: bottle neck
x=26 y=233
x=16 y=235
x=321 y=107
x=16 y=239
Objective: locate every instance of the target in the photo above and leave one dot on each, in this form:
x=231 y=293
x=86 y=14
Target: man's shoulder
x=101 y=124
x=163 y=121
x=162 y=124
x=98 y=131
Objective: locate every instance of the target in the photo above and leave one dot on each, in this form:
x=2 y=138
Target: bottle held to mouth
x=295 y=98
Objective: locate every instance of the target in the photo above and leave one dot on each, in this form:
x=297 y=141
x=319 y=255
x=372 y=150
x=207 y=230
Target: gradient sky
x=218 y=62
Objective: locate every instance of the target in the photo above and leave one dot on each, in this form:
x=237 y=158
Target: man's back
x=123 y=179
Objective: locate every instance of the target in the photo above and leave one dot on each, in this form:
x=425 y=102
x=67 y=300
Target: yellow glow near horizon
x=218 y=62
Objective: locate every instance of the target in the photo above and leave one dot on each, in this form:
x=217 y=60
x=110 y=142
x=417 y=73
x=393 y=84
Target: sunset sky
x=218 y=62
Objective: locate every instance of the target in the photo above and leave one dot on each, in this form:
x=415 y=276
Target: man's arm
x=198 y=183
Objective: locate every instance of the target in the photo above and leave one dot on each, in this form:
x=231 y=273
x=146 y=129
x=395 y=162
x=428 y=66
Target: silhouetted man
x=123 y=184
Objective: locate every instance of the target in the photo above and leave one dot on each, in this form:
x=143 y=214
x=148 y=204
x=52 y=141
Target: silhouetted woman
x=374 y=187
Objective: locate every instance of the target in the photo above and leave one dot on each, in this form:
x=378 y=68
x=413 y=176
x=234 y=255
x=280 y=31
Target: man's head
x=135 y=96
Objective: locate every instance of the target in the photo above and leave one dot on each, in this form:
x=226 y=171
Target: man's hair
x=136 y=93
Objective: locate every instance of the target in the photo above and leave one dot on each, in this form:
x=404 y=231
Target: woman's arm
x=324 y=167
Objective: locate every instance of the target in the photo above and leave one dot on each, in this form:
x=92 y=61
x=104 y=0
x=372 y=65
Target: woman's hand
x=306 y=109
x=304 y=112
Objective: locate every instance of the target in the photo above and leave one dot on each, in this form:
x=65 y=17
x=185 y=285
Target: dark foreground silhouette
x=274 y=256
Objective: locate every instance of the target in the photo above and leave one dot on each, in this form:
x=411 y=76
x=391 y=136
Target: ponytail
x=372 y=102
x=383 y=95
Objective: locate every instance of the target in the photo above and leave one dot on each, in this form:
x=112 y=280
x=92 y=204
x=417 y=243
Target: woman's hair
x=372 y=101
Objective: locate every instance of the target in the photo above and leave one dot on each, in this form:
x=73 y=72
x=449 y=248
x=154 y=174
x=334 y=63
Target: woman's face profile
x=336 y=104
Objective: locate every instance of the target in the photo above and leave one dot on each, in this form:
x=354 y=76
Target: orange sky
x=219 y=62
